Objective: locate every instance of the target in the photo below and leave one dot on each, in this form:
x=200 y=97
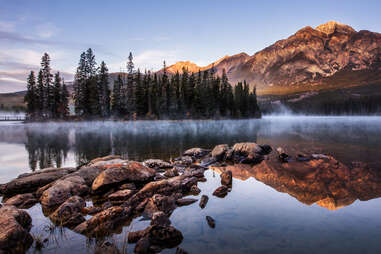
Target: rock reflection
x=325 y=182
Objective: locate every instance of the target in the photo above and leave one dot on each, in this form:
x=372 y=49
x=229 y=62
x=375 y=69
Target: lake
x=256 y=217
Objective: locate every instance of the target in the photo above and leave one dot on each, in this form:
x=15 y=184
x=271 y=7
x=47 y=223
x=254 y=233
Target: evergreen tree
x=104 y=91
x=56 y=99
x=64 y=106
x=31 y=96
x=80 y=86
x=47 y=95
x=116 y=96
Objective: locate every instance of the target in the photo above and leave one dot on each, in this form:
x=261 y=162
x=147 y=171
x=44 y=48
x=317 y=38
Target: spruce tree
x=47 y=85
x=104 y=90
x=30 y=96
x=56 y=99
x=64 y=106
x=80 y=86
x=116 y=97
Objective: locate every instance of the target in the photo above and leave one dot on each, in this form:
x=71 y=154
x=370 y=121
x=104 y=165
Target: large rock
x=158 y=203
x=63 y=189
x=226 y=178
x=165 y=187
x=196 y=152
x=14 y=230
x=157 y=164
x=69 y=213
x=105 y=222
x=247 y=153
x=219 y=151
x=131 y=172
x=104 y=159
x=120 y=196
x=155 y=235
x=221 y=191
x=24 y=201
x=30 y=182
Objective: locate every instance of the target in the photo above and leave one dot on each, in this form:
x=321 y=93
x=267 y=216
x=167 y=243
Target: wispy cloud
x=161 y=38
x=47 y=30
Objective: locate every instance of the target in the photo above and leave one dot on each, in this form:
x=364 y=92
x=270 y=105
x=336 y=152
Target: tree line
x=47 y=95
x=159 y=95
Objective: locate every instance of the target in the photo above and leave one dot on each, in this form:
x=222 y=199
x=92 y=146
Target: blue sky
x=199 y=31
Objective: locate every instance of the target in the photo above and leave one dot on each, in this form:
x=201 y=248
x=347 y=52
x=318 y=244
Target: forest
x=136 y=95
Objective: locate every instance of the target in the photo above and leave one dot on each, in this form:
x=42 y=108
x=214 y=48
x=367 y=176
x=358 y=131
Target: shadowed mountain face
x=312 y=56
x=326 y=181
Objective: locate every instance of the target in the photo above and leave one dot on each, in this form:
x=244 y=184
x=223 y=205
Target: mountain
x=329 y=56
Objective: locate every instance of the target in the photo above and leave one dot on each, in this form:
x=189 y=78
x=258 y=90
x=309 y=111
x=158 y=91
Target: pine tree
x=104 y=90
x=116 y=100
x=47 y=85
x=56 y=99
x=40 y=94
x=64 y=106
x=30 y=96
x=130 y=64
x=80 y=86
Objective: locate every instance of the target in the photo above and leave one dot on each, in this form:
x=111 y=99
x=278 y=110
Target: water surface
x=253 y=218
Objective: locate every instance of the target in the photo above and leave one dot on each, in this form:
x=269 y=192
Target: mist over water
x=254 y=217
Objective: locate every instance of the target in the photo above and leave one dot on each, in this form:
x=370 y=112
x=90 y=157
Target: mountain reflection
x=328 y=183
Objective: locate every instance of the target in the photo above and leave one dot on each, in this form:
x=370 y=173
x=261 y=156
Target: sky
x=198 y=31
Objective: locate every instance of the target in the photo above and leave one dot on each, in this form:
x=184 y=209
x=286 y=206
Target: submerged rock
x=107 y=248
x=160 y=218
x=158 y=203
x=120 y=196
x=203 y=201
x=211 y=222
x=221 y=191
x=132 y=172
x=156 y=236
x=105 y=222
x=14 y=230
x=69 y=213
x=185 y=201
x=194 y=190
x=226 y=178
x=23 y=201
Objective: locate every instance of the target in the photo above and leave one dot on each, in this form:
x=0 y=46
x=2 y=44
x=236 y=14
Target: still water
x=253 y=218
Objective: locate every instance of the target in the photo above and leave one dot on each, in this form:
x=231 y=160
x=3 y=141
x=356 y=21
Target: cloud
x=47 y=30
x=6 y=26
x=161 y=38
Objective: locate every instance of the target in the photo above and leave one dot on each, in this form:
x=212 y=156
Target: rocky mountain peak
x=332 y=26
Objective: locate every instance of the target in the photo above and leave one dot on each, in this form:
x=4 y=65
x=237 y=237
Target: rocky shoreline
x=121 y=190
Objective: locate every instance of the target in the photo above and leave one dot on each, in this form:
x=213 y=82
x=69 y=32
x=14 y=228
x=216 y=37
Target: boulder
x=23 y=201
x=127 y=186
x=164 y=187
x=69 y=213
x=171 y=172
x=194 y=190
x=183 y=161
x=14 y=230
x=247 y=153
x=226 y=178
x=132 y=172
x=30 y=182
x=266 y=149
x=203 y=201
x=105 y=222
x=105 y=158
x=221 y=191
x=219 y=152
x=196 y=152
x=185 y=201
x=63 y=189
x=92 y=210
x=155 y=235
x=107 y=248
x=157 y=164
x=120 y=196
x=211 y=222
x=160 y=218
x=206 y=162
x=161 y=203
